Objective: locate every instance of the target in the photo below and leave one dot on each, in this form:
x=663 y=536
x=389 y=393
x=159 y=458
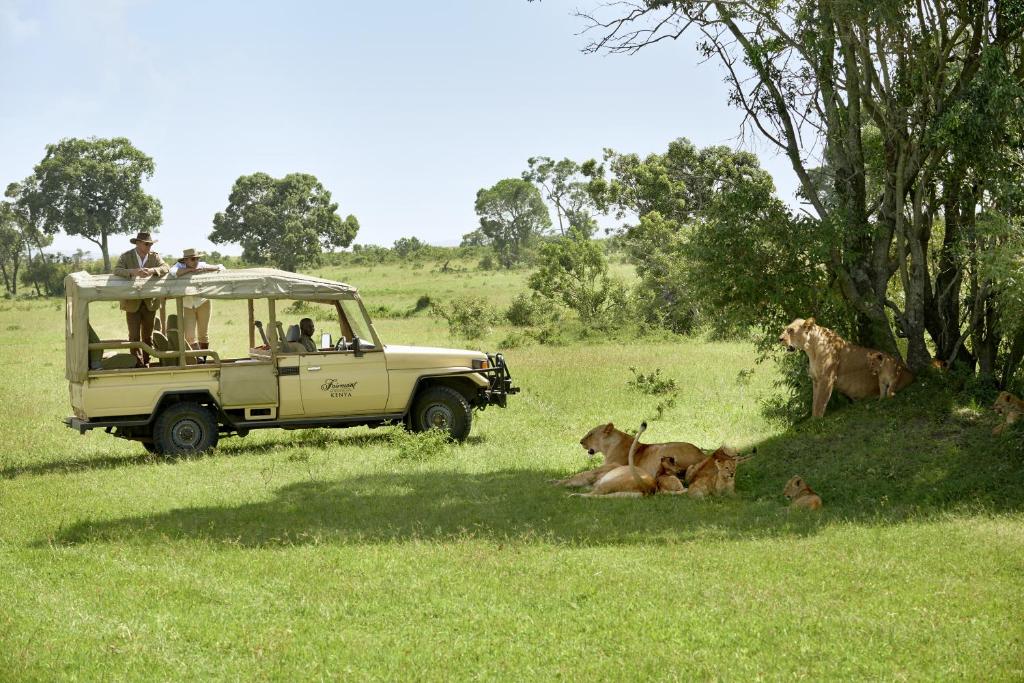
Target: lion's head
x=794 y=337
x=793 y=487
x=598 y=439
x=670 y=466
x=1005 y=403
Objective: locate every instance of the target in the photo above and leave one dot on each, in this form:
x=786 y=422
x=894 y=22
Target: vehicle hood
x=418 y=357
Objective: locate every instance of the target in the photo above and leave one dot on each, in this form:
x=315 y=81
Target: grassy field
x=371 y=554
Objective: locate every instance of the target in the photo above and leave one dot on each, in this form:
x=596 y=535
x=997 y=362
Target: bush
x=467 y=317
x=652 y=383
x=526 y=311
x=514 y=340
x=574 y=272
x=421 y=446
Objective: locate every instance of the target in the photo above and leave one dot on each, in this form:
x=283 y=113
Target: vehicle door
x=341 y=383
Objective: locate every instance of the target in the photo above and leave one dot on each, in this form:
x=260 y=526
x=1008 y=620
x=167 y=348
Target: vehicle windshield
x=357 y=320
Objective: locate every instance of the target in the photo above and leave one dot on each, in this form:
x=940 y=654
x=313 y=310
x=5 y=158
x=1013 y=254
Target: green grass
x=358 y=555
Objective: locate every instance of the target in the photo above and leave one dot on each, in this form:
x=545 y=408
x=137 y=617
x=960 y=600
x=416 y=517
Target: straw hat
x=190 y=253
x=143 y=237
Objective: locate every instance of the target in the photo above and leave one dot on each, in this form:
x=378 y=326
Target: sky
x=402 y=110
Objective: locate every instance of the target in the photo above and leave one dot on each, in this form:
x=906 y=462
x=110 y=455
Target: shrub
x=514 y=340
x=651 y=383
x=467 y=317
x=421 y=446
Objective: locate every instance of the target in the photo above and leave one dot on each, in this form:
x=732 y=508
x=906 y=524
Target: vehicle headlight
x=481 y=364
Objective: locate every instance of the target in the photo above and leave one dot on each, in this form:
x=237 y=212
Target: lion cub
x=1011 y=407
x=715 y=475
x=802 y=495
x=892 y=374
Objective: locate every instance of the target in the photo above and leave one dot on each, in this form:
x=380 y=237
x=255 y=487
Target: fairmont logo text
x=338 y=389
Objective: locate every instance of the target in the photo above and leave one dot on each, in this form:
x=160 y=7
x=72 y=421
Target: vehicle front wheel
x=185 y=428
x=442 y=408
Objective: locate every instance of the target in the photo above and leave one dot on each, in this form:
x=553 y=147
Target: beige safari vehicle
x=186 y=399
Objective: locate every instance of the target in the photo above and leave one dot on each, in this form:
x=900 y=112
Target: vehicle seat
x=292 y=343
x=160 y=343
x=172 y=341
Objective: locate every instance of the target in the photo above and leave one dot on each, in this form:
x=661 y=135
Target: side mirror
x=357 y=346
x=325 y=341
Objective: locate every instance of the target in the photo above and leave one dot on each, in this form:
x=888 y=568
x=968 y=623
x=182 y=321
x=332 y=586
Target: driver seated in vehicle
x=306 y=338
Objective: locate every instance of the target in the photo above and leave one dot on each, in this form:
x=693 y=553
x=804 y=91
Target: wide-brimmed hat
x=191 y=253
x=143 y=237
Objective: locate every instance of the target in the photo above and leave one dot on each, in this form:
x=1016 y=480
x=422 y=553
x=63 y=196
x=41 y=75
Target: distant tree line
x=92 y=188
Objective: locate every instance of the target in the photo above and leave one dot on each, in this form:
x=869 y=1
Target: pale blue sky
x=403 y=110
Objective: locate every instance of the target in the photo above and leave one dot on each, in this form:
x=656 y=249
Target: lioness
x=1009 y=405
x=892 y=374
x=615 y=444
x=834 y=363
x=629 y=480
x=802 y=495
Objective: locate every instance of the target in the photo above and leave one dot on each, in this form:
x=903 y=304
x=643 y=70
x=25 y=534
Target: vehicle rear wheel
x=185 y=427
x=442 y=408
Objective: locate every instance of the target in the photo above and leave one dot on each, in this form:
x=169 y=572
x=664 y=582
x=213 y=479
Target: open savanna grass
x=371 y=554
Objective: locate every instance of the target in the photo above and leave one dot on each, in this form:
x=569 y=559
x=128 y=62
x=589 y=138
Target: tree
x=512 y=213
x=12 y=244
x=566 y=188
x=287 y=222
x=90 y=188
x=574 y=272
x=816 y=79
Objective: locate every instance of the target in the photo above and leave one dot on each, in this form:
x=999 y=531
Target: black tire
x=442 y=408
x=184 y=428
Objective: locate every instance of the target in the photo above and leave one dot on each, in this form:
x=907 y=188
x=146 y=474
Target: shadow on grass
x=921 y=455
x=107 y=462
x=504 y=506
x=229 y=447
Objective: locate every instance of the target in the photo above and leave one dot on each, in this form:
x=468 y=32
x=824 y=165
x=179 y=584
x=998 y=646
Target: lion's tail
x=632 y=451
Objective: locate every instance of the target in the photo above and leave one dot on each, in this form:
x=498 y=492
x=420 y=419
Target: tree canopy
x=89 y=188
x=512 y=213
x=902 y=121
x=286 y=222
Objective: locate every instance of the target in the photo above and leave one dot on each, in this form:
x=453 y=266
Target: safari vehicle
x=186 y=399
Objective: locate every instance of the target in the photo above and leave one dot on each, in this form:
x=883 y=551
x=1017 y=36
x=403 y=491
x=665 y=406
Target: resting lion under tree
x=836 y=364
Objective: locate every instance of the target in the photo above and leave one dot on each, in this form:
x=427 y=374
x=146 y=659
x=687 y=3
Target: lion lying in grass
x=834 y=363
x=801 y=495
x=1009 y=406
x=614 y=444
x=630 y=481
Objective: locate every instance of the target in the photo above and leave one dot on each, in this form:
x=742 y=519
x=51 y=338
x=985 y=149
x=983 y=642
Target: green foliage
x=512 y=214
x=651 y=383
x=285 y=222
x=564 y=186
x=574 y=272
x=468 y=317
x=420 y=446
x=406 y=247
x=90 y=188
x=12 y=246
x=529 y=309
x=46 y=272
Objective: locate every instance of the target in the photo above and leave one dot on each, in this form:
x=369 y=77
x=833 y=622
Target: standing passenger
x=139 y=313
x=197 y=309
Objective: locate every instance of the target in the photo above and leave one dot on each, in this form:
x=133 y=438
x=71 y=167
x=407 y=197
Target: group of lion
x=631 y=468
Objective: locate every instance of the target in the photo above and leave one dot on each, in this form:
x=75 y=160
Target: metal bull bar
x=499 y=382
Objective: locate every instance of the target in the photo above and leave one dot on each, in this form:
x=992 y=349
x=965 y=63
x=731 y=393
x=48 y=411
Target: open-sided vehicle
x=187 y=398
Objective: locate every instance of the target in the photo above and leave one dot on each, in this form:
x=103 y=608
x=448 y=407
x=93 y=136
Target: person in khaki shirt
x=139 y=313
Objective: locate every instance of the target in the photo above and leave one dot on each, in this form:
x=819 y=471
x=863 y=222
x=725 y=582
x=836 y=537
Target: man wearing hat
x=140 y=262
x=197 y=309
